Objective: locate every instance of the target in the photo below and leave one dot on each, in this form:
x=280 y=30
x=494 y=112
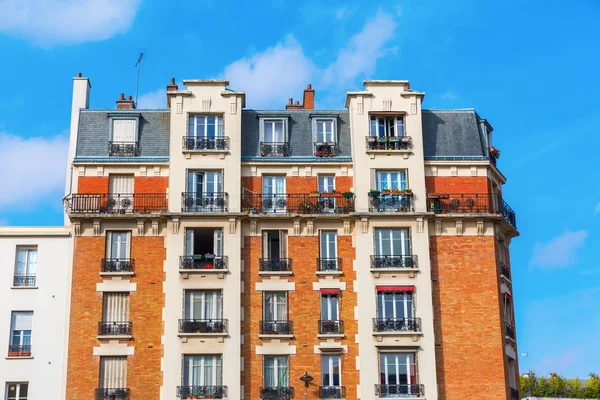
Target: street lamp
x=306 y=378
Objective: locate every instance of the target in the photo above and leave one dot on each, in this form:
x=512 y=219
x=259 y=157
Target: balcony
x=203 y=326
x=273 y=393
x=113 y=394
x=391 y=143
x=104 y=203
x=201 y=392
x=24 y=281
x=110 y=330
x=117 y=266
x=314 y=203
x=505 y=271
x=471 y=204
x=509 y=331
x=199 y=144
x=514 y=394
x=204 y=202
x=393 y=262
x=329 y=266
x=208 y=263
x=331 y=327
x=396 y=325
x=19 y=350
x=274 y=149
x=323 y=149
x=394 y=391
x=332 y=392
x=391 y=202
x=275 y=266
x=123 y=149
x=285 y=328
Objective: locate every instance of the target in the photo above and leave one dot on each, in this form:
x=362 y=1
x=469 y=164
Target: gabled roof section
x=452 y=133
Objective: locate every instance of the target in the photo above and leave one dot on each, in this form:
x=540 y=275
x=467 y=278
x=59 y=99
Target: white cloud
x=153 y=100
x=597 y=209
x=558 y=252
x=36 y=168
x=56 y=22
x=449 y=95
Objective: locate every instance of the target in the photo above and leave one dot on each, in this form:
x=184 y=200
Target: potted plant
x=386 y=192
x=394 y=139
x=374 y=193
x=382 y=139
x=371 y=139
x=348 y=195
x=407 y=192
x=314 y=193
x=396 y=191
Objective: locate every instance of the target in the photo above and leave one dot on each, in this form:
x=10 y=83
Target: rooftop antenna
x=137 y=80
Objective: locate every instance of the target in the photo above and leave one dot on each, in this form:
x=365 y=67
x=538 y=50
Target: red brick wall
x=300 y=184
x=92 y=184
x=154 y=184
x=252 y=183
x=344 y=183
x=457 y=184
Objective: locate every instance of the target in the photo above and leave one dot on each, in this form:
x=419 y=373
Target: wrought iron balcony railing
x=276 y=327
x=119 y=203
x=204 y=202
x=201 y=392
x=393 y=202
x=326 y=149
x=274 y=149
x=200 y=143
x=329 y=264
x=273 y=393
x=113 y=394
x=396 y=324
x=118 y=265
x=203 y=262
x=331 y=327
x=332 y=392
x=118 y=328
x=514 y=394
x=504 y=270
x=314 y=203
x=123 y=149
x=24 y=280
x=509 y=331
x=399 y=390
x=203 y=325
x=389 y=143
x=19 y=350
x=393 y=262
x=275 y=264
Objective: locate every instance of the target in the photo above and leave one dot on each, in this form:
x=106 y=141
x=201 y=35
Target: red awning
x=395 y=288
x=330 y=291
x=507 y=295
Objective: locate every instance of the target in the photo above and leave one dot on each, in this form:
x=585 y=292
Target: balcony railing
x=471 y=204
x=389 y=143
x=274 y=149
x=329 y=264
x=113 y=394
x=514 y=394
x=19 y=350
x=331 y=327
x=122 y=203
x=326 y=149
x=281 y=392
x=391 y=202
x=203 y=325
x=201 y=392
x=393 y=262
x=504 y=270
x=332 y=392
x=275 y=264
x=203 y=262
x=399 y=390
x=123 y=149
x=24 y=280
x=118 y=265
x=509 y=331
x=204 y=202
x=123 y=328
x=198 y=143
x=396 y=324
x=276 y=327
x=316 y=203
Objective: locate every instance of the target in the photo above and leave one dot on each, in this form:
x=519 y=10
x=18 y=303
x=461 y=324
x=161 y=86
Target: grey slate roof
x=300 y=131
x=452 y=133
x=94 y=132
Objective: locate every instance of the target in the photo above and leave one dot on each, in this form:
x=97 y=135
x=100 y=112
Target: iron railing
x=391 y=202
x=203 y=326
x=389 y=143
x=19 y=350
x=326 y=149
x=509 y=215
x=331 y=327
x=24 y=280
x=394 y=262
x=204 y=202
x=201 y=392
x=396 y=324
x=414 y=390
x=121 y=203
x=117 y=264
x=113 y=394
x=329 y=264
x=280 y=393
x=276 y=327
x=275 y=264
x=123 y=328
x=504 y=270
x=123 y=149
x=332 y=392
x=317 y=203
x=274 y=149
x=514 y=394
x=207 y=261
x=471 y=204
x=492 y=157
x=509 y=331
x=200 y=143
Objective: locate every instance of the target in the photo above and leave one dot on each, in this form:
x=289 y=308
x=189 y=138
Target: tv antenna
x=137 y=80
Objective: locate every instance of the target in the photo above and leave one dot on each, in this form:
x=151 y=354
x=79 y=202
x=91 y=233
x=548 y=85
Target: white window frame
x=325 y=181
x=204 y=361
x=382 y=177
x=408 y=307
x=120 y=243
x=400 y=359
x=219 y=126
x=327 y=362
x=117 y=372
x=192 y=181
x=276 y=303
x=386 y=128
x=276 y=370
x=276 y=192
x=128 y=118
x=18 y=390
x=189 y=305
x=325 y=236
x=190 y=241
x=273 y=121
x=21 y=332
x=28 y=263
x=323 y=122
x=115 y=307
x=332 y=304
x=405 y=241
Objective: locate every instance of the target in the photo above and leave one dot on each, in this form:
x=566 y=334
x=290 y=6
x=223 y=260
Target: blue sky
x=530 y=68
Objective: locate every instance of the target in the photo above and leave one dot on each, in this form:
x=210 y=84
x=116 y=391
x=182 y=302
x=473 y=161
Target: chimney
x=125 y=104
x=309 y=98
x=171 y=87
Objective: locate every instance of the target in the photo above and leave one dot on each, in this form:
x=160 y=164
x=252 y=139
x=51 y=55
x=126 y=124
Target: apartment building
x=227 y=252
x=34 y=274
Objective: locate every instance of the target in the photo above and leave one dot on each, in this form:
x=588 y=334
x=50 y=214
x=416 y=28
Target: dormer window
x=387 y=126
x=325 y=132
x=274 y=137
x=387 y=132
x=205 y=132
x=325 y=136
x=123 y=137
x=274 y=131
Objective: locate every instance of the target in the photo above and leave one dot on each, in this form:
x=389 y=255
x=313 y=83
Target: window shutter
x=373 y=179
x=189 y=242
x=282 y=244
x=218 y=242
x=22 y=321
x=113 y=372
x=266 y=244
x=116 y=307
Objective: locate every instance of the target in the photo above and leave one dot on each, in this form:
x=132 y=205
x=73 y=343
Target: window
x=205 y=126
x=394 y=304
x=398 y=374
x=325 y=131
x=113 y=375
x=388 y=180
x=20 y=333
x=392 y=242
x=274 y=131
x=17 y=391
x=26 y=263
x=273 y=194
x=205 y=370
x=387 y=126
x=502 y=252
x=275 y=306
x=120 y=192
x=274 y=245
x=331 y=371
x=123 y=137
x=204 y=191
x=115 y=314
x=204 y=242
x=276 y=372
x=117 y=245
x=330 y=305
x=508 y=309
x=203 y=304
x=328 y=251
x=326 y=183
x=512 y=381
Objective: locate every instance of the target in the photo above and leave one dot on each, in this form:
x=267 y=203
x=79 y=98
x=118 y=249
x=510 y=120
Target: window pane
x=21 y=262
x=32 y=262
x=210 y=127
x=268 y=127
x=278 y=131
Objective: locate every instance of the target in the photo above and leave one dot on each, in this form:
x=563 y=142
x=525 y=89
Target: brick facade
x=154 y=184
x=457 y=184
x=92 y=185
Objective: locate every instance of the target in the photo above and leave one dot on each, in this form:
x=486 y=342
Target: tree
x=558 y=385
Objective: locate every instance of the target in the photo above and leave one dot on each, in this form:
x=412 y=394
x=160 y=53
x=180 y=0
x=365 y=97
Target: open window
x=204 y=248
x=274 y=244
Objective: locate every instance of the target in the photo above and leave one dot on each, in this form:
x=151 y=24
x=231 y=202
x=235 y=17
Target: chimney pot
x=309 y=87
x=172 y=81
x=122 y=96
x=291 y=101
x=297 y=102
x=309 y=98
x=125 y=103
x=129 y=98
x=79 y=75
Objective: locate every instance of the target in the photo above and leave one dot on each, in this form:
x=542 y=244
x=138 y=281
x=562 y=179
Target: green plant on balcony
x=348 y=195
x=374 y=193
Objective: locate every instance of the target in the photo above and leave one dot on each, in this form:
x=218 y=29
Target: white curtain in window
x=391 y=180
x=275 y=372
x=273 y=131
x=26 y=262
x=120 y=184
x=398 y=369
x=328 y=244
x=118 y=245
x=394 y=305
x=325 y=131
x=206 y=126
x=113 y=372
x=331 y=370
x=326 y=183
x=22 y=320
x=392 y=242
x=123 y=130
x=202 y=370
x=203 y=304
x=330 y=307
x=275 y=307
x=116 y=307
x=218 y=242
